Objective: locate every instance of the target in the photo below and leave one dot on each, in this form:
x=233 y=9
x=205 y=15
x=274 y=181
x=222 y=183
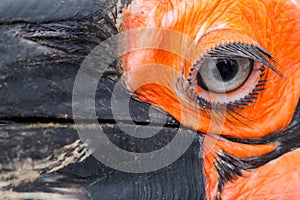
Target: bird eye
x=229 y=74
x=223 y=75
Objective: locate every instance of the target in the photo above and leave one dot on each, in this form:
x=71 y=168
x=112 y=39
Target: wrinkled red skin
x=272 y=24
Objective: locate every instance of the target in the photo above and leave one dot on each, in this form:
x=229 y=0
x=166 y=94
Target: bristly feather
x=253 y=52
x=116 y=12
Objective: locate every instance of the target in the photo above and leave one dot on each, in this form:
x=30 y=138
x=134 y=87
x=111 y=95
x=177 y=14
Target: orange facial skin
x=256 y=19
x=274 y=25
x=278 y=179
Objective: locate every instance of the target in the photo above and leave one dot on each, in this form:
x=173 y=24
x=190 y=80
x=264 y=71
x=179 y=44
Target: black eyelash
x=249 y=99
x=252 y=52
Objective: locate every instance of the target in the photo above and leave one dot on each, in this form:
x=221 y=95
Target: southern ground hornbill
x=227 y=70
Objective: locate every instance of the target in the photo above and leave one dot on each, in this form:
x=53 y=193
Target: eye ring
x=224 y=98
x=223 y=75
x=243 y=93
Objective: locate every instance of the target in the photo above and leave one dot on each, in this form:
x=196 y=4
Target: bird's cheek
x=273 y=110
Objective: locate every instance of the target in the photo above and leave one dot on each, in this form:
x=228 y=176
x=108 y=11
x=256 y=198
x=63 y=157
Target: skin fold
x=274 y=25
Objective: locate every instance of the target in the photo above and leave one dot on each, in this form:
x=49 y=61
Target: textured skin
x=238 y=15
x=278 y=179
x=272 y=24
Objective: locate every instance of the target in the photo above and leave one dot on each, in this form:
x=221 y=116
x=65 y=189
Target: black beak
x=41 y=49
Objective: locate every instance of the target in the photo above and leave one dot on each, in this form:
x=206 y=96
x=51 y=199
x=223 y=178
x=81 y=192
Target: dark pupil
x=226 y=69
